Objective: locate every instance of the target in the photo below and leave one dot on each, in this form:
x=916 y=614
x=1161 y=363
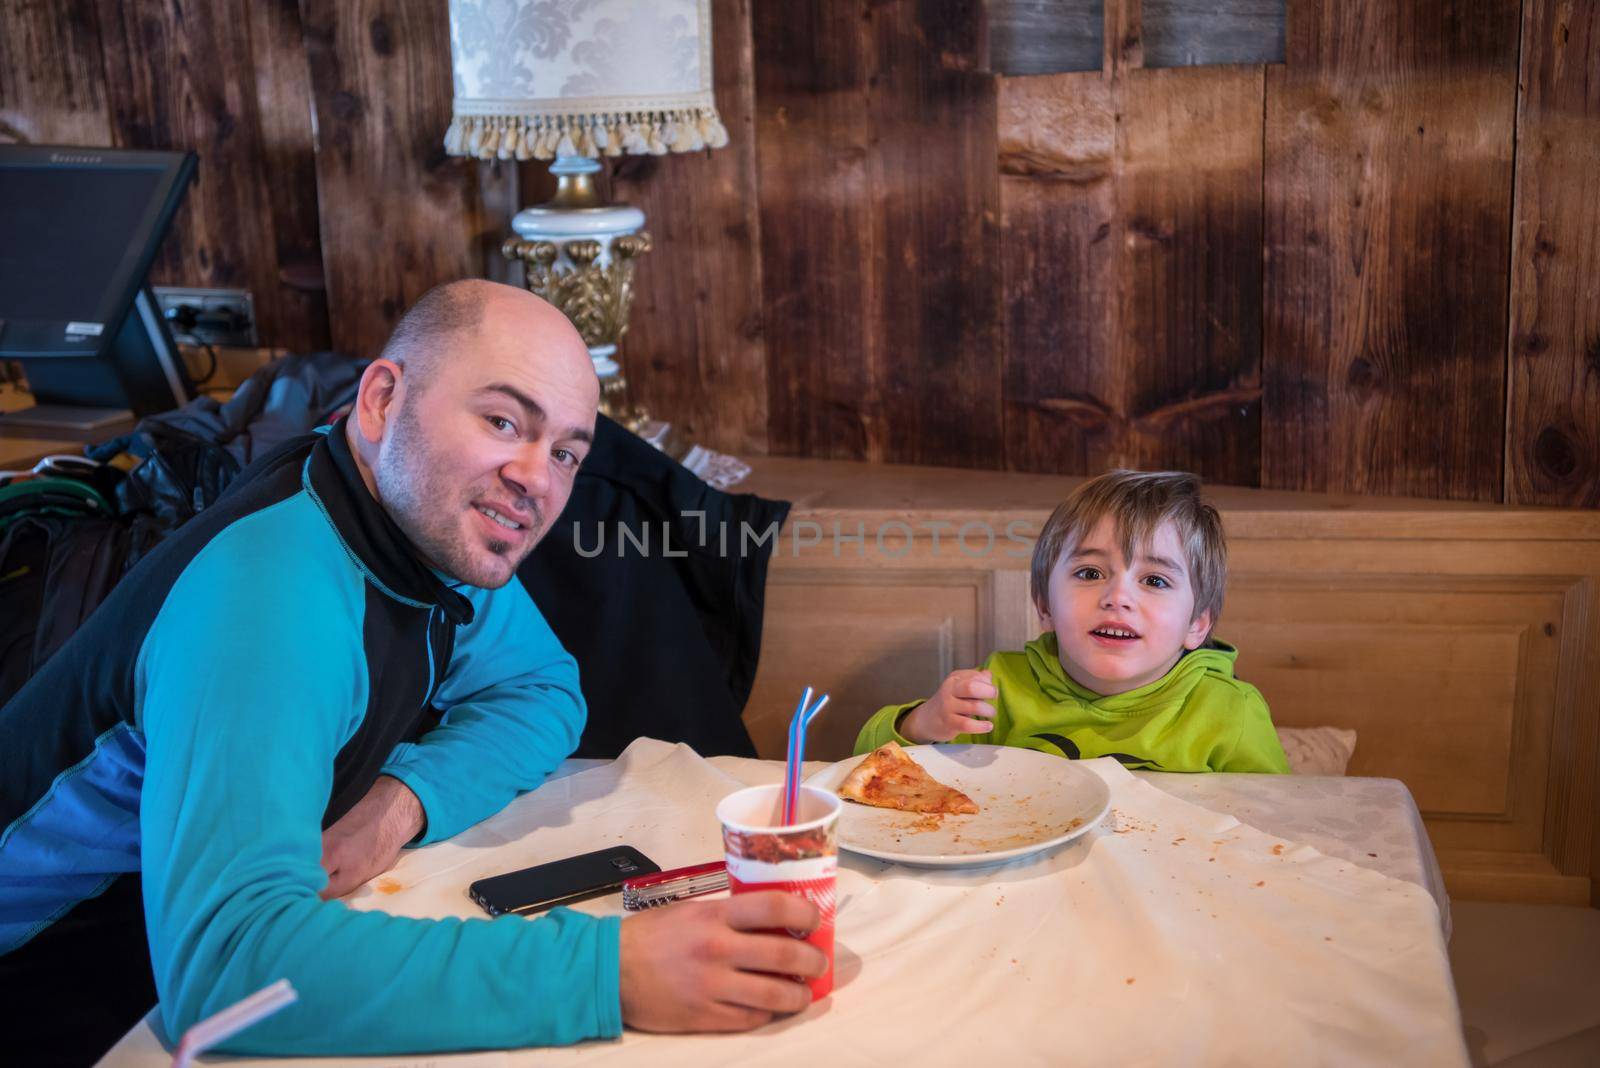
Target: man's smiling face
x=1123 y=624
x=480 y=453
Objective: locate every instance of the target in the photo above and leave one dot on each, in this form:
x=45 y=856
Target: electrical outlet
x=224 y=317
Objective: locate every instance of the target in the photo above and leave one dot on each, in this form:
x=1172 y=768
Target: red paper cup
x=802 y=858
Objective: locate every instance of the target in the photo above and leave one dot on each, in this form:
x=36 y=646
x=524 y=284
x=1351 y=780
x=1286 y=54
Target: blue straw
x=791 y=767
x=797 y=747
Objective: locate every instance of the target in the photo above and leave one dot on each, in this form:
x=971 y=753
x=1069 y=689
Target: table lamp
x=569 y=81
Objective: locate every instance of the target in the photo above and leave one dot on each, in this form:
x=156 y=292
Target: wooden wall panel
x=187 y=77
x=1132 y=258
x=504 y=188
x=1045 y=36
x=1058 y=201
x=1421 y=667
x=1388 y=196
x=855 y=277
x=52 y=81
x=1188 y=242
x=880 y=223
x=1189 y=33
x=820 y=289
x=937 y=192
x=694 y=352
x=1553 y=410
x=1054 y=36
x=878 y=633
x=398 y=216
x=288 y=168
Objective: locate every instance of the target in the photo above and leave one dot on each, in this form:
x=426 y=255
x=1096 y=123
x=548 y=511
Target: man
x=334 y=645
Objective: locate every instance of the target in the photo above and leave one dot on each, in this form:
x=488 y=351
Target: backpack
x=61 y=552
x=65 y=542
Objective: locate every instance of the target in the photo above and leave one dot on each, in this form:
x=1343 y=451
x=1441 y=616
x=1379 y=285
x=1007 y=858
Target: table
x=1368 y=821
x=21 y=453
x=1172 y=933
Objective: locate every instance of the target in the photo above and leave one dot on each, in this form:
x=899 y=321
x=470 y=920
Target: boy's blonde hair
x=1138 y=502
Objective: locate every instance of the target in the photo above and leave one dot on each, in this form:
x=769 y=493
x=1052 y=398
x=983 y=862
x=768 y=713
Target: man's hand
x=697 y=966
x=961 y=706
x=367 y=840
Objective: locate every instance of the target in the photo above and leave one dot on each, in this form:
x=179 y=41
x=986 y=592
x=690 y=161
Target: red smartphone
x=561 y=882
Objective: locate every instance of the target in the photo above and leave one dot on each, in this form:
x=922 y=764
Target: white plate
x=1027 y=801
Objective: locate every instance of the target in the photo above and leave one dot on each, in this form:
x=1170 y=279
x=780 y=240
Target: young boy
x=1128 y=575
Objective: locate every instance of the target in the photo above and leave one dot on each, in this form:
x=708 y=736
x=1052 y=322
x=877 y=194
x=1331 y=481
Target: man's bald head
x=450 y=315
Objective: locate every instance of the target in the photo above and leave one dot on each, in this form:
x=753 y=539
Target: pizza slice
x=888 y=778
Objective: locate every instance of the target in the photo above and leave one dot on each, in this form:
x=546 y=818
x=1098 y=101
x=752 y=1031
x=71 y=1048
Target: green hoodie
x=1197 y=717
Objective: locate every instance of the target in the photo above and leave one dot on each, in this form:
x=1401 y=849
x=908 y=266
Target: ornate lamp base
x=579 y=254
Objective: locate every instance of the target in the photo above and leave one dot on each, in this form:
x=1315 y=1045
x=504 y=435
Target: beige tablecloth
x=1367 y=821
x=1171 y=934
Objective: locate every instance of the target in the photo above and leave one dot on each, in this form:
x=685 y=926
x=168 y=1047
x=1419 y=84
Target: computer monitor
x=79 y=228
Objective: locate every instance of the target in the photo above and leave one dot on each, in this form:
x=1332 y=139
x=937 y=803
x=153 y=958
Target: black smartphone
x=561 y=882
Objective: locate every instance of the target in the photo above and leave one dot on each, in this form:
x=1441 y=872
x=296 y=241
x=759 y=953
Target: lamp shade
x=536 y=79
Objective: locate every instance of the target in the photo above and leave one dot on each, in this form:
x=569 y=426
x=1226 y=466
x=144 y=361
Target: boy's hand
x=961 y=706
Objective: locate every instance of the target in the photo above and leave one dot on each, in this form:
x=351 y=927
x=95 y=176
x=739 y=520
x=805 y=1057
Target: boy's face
x=1122 y=624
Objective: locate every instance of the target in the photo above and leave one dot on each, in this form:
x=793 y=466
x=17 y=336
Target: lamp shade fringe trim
x=524 y=137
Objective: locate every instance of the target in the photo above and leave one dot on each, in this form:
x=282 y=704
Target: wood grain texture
x=1190 y=33
x=1133 y=271
x=52 y=80
x=1063 y=386
x=1553 y=407
x=829 y=490
x=1388 y=197
x=1124 y=37
x=500 y=197
x=1463 y=659
x=879 y=230
x=938 y=200
x=1553 y=402
x=851 y=278
x=820 y=289
x=1187 y=334
x=694 y=352
x=186 y=77
x=878 y=633
x=398 y=216
x=1045 y=36
x=1056 y=36
x=287 y=168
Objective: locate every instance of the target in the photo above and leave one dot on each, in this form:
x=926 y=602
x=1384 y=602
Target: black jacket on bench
x=667 y=645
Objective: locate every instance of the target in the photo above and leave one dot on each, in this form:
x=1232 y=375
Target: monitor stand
x=143 y=369
x=65 y=417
